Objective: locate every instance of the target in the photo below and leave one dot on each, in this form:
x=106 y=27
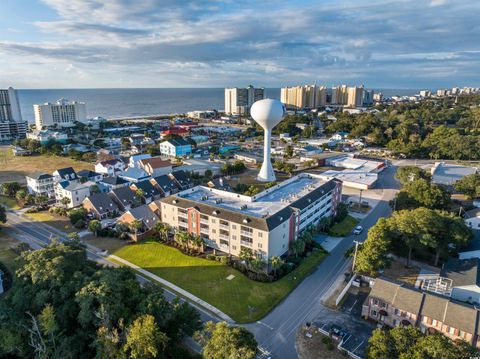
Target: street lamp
x=355 y=255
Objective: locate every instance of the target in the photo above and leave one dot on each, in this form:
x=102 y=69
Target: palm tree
x=197 y=242
x=136 y=225
x=94 y=226
x=162 y=229
x=298 y=247
x=276 y=262
x=181 y=238
x=65 y=201
x=257 y=264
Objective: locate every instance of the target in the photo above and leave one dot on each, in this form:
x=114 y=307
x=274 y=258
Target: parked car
x=357 y=230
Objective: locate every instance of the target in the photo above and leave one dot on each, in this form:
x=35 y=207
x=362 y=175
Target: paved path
x=177 y=289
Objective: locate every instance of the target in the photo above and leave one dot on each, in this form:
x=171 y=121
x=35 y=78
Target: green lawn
x=56 y=221
x=343 y=228
x=207 y=279
x=8 y=202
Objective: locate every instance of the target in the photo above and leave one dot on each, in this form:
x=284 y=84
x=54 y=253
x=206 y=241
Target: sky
x=220 y=43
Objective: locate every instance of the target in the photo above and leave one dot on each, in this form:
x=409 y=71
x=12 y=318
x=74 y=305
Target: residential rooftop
x=265 y=203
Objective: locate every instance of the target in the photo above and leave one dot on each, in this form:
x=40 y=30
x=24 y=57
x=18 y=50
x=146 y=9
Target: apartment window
x=434 y=322
x=213 y=230
x=383 y=305
x=397 y=312
x=461 y=334
x=223 y=242
x=234 y=226
x=373 y=313
x=260 y=234
x=213 y=220
x=234 y=248
x=259 y=245
x=375 y=301
x=451 y=330
x=234 y=237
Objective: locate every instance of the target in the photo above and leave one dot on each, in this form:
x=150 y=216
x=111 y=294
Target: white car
x=357 y=230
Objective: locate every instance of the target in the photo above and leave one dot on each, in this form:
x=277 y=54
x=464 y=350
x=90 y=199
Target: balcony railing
x=224 y=237
x=224 y=226
x=203 y=221
x=246 y=233
x=204 y=230
x=246 y=243
x=183 y=215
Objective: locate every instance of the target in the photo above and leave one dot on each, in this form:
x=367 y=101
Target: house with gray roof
x=125 y=198
x=394 y=304
x=101 y=206
x=464 y=275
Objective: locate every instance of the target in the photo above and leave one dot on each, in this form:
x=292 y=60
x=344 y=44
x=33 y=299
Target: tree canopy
x=64 y=306
x=223 y=341
x=421 y=228
x=409 y=342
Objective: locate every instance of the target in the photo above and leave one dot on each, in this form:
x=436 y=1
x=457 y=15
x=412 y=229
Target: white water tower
x=267 y=113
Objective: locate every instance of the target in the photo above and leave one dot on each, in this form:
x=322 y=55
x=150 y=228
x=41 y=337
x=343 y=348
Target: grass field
x=58 y=222
x=242 y=299
x=344 y=227
x=16 y=168
x=8 y=202
x=106 y=243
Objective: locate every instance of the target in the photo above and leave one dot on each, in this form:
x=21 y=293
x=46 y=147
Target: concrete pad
x=230 y=277
x=328 y=243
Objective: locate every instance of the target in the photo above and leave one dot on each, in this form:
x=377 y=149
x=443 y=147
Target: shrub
x=211 y=257
x=326 y=340
x=77 y=214
x=80 y=224
x=330 y=346
x=224 y=260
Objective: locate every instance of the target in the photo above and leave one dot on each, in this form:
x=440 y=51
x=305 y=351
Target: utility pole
x=355 y=255
x=360 y=200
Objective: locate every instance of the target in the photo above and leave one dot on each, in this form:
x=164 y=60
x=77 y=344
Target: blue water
x=112 y=103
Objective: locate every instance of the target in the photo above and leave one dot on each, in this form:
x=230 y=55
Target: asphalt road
x=276 y=332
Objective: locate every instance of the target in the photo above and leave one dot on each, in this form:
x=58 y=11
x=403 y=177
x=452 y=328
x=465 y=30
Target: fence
x=344 y=291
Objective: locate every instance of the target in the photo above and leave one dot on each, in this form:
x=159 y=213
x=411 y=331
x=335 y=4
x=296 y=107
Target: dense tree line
x=428 y=129
x=409 y=342
x=64 y=306
x=406 y=231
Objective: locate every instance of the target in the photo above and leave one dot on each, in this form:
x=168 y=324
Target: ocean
x=116 y=103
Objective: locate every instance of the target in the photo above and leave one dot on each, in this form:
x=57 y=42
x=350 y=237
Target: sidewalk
x=95 y=250
x=175 y=288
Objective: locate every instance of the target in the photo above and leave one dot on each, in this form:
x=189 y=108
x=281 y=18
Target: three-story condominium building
x=266 y=223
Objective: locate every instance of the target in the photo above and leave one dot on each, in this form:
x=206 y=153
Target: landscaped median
x=241 y=298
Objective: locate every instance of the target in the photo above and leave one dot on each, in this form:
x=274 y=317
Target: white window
x=451 y=330
x=260 y=234
x=434 y=322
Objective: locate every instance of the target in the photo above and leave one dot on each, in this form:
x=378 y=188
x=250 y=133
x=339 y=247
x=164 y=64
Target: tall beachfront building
x=267 y=223
x=339 y=95
x=62 y=113
x=355 y=96
x=307 y=96
x=239 y=100
x=11 y=124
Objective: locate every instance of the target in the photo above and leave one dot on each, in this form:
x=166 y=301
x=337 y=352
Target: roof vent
x=246 y=220
x=175 y=201
x=215 y=212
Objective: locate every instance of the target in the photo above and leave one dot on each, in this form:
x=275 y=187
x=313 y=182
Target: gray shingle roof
x=102 y=202
x=462 y=272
